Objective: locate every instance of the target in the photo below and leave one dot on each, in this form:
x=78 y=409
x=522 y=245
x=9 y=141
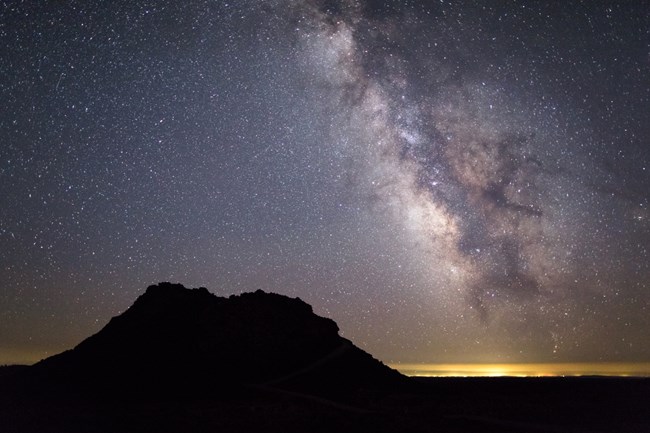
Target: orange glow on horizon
x=526 y=370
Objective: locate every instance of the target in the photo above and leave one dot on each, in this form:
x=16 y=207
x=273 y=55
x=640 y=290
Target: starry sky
x=451 y=181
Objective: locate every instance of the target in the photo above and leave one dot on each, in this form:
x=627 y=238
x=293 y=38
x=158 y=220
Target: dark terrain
x=183 y=360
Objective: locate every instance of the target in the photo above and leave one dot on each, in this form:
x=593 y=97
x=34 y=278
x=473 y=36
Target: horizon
x=549 y=369
x=495 y=370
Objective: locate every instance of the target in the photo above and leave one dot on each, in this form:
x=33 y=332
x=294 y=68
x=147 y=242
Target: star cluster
x=450 y=181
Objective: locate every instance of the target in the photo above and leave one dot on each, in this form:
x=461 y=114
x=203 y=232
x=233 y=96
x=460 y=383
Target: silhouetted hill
x=184 y=360
x=178 y=338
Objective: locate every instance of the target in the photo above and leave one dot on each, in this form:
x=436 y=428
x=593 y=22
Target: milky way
x=449 y=181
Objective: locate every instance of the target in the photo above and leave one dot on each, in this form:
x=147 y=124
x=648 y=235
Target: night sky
x=451 y=181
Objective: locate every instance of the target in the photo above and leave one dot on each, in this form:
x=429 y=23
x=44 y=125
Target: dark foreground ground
x=620 y=405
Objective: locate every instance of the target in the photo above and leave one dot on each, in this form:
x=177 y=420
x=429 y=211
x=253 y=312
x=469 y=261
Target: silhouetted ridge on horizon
x=190 y=338
x=183 y=360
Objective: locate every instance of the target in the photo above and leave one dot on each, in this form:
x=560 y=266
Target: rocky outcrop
x=173 y=338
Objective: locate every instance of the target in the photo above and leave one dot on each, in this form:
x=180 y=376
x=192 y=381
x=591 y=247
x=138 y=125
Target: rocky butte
x=185 y=360
x=178 y=339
